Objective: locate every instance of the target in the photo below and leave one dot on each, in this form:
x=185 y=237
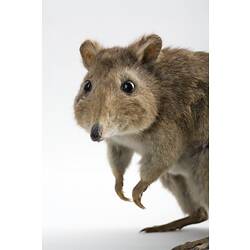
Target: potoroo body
x=153 y=101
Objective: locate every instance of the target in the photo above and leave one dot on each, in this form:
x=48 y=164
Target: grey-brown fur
x=165 y=119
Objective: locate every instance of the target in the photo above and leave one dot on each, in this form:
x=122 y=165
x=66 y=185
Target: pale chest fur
x=131 y=142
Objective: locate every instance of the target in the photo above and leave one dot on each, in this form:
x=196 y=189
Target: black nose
x=96 y=132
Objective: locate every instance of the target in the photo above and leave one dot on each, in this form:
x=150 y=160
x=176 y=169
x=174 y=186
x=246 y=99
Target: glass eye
x=128 y=87
x=87 y=86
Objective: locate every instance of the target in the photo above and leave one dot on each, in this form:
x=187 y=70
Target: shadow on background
x=119 y=239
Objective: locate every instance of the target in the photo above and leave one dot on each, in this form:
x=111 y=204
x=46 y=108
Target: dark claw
x=119 y=191
x=138 y=191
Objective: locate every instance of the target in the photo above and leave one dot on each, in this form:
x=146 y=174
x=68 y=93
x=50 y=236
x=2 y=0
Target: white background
x=20 y=126
x=80 y=208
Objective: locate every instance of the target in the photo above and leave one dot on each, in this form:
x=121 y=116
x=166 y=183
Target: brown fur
x=165 y=119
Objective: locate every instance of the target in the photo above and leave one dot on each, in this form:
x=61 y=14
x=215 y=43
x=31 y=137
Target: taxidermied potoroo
x=153 y=101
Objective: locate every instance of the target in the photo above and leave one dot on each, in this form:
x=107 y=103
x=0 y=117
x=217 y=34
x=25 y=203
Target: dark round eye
x=128 y=87
x=87 y=86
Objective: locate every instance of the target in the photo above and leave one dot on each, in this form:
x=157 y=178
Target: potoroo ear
x=89 y=50
x=147 y=48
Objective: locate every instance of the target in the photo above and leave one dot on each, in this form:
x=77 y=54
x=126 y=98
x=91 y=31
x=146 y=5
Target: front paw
x=138 y=190
x=119 y=188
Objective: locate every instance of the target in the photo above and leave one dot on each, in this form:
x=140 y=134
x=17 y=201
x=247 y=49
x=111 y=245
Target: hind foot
x=202 y=244
x=199 y=216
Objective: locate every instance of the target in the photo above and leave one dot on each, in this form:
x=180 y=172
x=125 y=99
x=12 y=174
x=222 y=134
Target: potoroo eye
x=87 y=86
x=128 y=87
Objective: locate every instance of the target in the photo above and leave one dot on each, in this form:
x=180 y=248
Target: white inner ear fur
x=141 y=49
x=147 y=48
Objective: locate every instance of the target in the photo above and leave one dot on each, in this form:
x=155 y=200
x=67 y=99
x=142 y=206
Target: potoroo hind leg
x=197 y=217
